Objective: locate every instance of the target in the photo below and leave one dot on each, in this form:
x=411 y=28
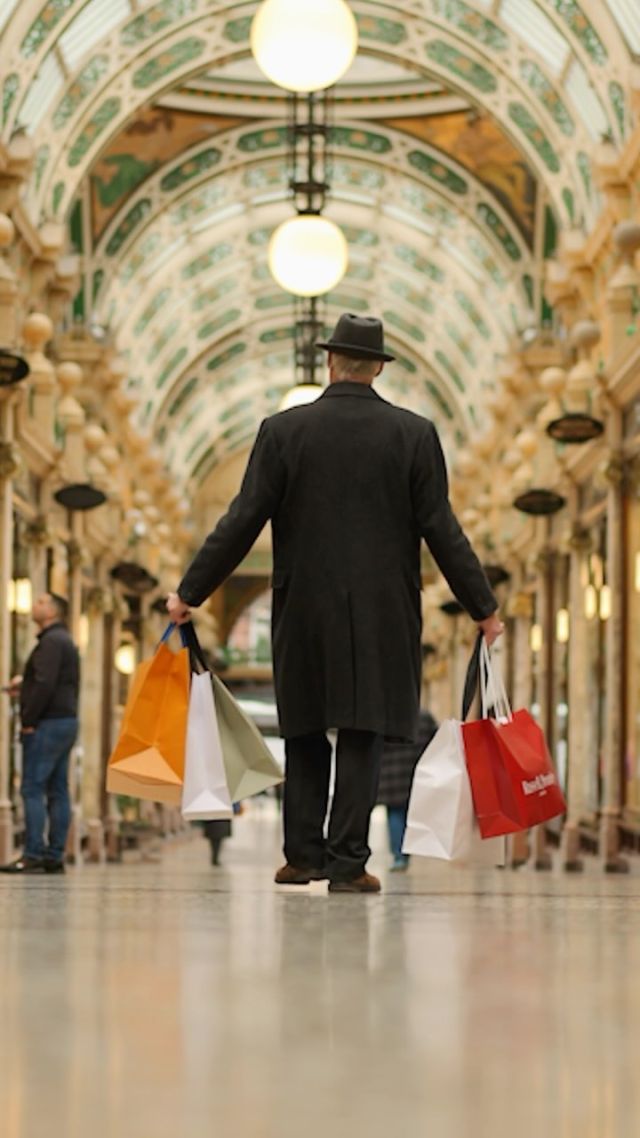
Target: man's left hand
x=179 y=612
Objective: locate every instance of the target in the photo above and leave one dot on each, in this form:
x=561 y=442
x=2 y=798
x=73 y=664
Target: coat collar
x=347 y=387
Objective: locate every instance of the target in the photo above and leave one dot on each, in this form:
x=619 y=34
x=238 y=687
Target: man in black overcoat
x=351 y=484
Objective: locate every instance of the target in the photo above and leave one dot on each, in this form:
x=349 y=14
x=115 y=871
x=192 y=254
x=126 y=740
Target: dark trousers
x=45 y=786
x=343 y=854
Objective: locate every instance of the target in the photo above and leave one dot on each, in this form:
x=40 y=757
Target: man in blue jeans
x=49 y=714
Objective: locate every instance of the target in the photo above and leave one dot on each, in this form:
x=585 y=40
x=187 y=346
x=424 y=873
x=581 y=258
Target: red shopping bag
x=513 y=782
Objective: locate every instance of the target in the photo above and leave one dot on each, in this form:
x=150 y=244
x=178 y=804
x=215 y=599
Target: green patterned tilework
x=412 y=330
x=437 y=170
x=154 y=20
x=238 y=31
x=10 y=89
x=224 y=357
x=212 y=326
x=582 y=28
x=212 y=295
x=532 y=130
x=257 y=140
x=490 y=218
x=383 y=31
x=467 y=19
x=274 y=300
x=207 y=260
x=153 y=307
x=174 y=57
x=617 y=96
x=130 y=222
x=461 y=343
x=459 y=64
x=147 y=249
x=186 y=391
x=418 y=299
x=98 y=122
x=584 y=166
x=366 y=140
x=420 y=264
x=362 y=237
x=49 y=17
x=170 y=367
x=438 y=399
x=547 y=95
x=186 y=171
x=163 y=339
x=470 y=310
x=41 y=159
x=451 y=371
x=81 y=88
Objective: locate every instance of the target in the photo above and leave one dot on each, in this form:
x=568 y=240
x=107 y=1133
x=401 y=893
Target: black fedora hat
x=361 y=337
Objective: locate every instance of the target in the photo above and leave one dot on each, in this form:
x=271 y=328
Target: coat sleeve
x=442 y=532
x=224 y=548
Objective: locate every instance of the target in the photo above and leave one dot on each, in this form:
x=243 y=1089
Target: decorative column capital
x=580 y=540
x=36 y=532
x=9 y=461
x=520 y=605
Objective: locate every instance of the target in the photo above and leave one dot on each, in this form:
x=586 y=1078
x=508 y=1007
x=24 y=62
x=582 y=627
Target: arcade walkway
x=171 y=999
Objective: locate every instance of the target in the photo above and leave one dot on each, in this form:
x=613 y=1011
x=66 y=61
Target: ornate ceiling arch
x=80 y=72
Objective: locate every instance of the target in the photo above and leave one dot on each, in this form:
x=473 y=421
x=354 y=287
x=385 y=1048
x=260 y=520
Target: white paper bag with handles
x=205 y=795
x=440 y=821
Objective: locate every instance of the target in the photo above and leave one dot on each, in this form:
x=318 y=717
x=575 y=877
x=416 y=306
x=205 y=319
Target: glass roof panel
x=530 y=24
x=92 y=24
x=627 y=14
x=43 y=90
x=579 y=88
x=6 y=8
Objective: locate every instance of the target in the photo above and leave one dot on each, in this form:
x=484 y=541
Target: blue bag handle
x=189 y=638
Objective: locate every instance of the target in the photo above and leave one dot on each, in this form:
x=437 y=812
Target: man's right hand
x=492 y=628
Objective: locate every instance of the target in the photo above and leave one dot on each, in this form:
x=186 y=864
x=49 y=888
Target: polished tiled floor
x=157 y=1000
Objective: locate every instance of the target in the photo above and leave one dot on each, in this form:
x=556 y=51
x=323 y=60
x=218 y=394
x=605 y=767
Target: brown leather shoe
x=290 y=875
x=366 y=883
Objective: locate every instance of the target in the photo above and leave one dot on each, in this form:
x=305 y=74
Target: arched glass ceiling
x=553 y=71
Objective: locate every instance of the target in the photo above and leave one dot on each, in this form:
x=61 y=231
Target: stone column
x=37 y=331
x=8 y=466
x=578 y=751
x=91 y=705
x=545 y=620
x=614 y=667
x=520 y=609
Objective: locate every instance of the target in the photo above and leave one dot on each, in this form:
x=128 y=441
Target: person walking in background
x=396 y=776
x=351 y=484
x=49 y=716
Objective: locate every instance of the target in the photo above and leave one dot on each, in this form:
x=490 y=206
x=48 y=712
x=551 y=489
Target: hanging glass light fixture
x=308 y=255
x=304 y=45
x=309 y=360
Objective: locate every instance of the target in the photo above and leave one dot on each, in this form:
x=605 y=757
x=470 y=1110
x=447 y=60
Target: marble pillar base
x=96 y=851
x=543 y=860
x=74 y=840
x=7 y=848
x=613 y=862
x=573 y=863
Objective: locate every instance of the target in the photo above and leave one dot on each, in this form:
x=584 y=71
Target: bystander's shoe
x=24 y=865
x=291 y=875
x=51 y=866
x=366 y=883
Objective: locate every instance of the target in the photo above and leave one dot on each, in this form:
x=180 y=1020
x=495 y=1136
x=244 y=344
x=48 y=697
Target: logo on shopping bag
x=538 y=784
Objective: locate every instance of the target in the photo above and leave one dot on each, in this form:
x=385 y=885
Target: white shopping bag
x=440 y=821
x=205 y=794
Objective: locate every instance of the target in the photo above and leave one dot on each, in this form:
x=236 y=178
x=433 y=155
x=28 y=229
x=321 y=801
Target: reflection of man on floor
x=48 y=711
x=351 y=485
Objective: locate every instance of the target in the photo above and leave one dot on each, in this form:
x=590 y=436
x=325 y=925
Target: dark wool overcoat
x=351 y=485
x=399 y=763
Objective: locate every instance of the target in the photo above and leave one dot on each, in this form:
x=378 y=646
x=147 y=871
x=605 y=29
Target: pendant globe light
x=304 y=45
x=309 y=360
x=308 y=255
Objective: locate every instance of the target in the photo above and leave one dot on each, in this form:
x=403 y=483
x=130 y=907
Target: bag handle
x=492 y=689
x=472 y=677
x=189 y=638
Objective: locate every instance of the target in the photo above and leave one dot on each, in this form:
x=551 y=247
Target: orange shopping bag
x=148 y=759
